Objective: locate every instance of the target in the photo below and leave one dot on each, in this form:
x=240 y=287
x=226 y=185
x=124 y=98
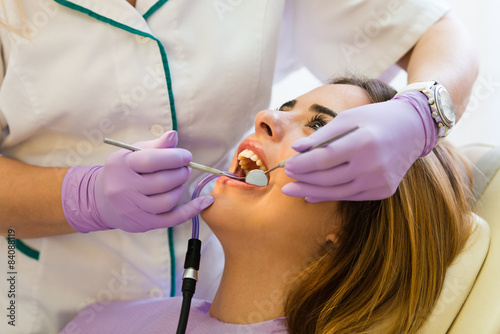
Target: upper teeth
x=245 y=159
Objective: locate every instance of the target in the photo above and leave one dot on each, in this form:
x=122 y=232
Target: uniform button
x=141 y=39
x=155 y=292
x=157 y=130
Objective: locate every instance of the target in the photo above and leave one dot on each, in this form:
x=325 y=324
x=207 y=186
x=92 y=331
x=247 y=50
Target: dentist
x=76 y=71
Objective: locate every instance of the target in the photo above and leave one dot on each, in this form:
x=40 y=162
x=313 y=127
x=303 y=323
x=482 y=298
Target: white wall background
x=481 y=121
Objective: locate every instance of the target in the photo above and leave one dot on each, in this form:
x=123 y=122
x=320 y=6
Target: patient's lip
x=255 y=147
x=238 y=184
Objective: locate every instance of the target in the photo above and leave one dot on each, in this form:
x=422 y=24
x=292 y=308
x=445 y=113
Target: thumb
x=167 y=140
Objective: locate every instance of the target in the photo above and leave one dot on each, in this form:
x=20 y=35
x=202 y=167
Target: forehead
x=337 y=97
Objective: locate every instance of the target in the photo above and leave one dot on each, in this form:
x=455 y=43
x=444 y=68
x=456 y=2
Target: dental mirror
x=258 y=177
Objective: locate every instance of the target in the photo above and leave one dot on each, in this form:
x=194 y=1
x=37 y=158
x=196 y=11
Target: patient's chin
x=213 y=213
x=222 y=214
x=205 y=214
x=211 y=216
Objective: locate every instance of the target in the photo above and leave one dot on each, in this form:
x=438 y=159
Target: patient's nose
x=269 y=123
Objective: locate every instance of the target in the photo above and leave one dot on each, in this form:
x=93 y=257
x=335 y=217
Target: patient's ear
x=333 y=238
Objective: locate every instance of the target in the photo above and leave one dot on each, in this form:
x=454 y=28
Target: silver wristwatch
x=440 y=104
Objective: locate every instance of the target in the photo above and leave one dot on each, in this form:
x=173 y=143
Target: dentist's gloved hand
x=369 y=163
x=133 y=191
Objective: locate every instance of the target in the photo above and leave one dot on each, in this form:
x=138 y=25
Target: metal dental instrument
x=193 y=165
x=259 y=177
x=256 y=177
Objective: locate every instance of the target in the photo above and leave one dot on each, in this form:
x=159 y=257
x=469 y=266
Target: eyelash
x=317 y=119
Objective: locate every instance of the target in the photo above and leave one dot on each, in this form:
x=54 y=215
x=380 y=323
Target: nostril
x=267 y=128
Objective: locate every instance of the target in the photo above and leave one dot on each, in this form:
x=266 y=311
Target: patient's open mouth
x=248 y=161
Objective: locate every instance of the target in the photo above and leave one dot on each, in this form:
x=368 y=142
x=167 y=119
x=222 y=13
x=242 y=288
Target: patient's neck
x=252 y=288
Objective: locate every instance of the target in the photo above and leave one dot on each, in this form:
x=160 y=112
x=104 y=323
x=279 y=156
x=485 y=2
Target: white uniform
x=95 y=69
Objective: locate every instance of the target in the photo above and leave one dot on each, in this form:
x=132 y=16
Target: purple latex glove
x=369 y=163
x=133 y=191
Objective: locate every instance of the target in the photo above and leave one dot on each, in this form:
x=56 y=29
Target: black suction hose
x=189 y=279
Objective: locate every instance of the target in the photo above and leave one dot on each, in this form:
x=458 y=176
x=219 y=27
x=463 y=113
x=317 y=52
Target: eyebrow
x=288 y=105
x=317 y=108
x=322 y=110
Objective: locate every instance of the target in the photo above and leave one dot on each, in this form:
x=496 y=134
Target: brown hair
x=388 y=268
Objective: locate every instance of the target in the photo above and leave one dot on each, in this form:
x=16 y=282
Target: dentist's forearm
x=447 y=54
x=30 y=200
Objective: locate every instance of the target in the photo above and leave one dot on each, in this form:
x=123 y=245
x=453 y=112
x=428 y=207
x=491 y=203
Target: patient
x=330 y=267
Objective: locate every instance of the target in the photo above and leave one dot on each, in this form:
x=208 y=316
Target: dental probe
x=191 y=164
x=259 y=177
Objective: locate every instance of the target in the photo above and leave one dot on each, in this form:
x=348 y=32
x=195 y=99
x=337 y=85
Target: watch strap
x=427 y=88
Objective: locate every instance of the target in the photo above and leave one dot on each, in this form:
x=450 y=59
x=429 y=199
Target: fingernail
x=172 y=135
x=301 y=145
x=309 y=199
x=207 y=201
x=186 y=156
x=168 y=140
x=286 y=189
x=288 y=172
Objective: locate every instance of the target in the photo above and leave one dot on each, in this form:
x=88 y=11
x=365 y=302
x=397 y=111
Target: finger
x=168 y=140
x=370 y=186
x=182 y=213
x=153 y=160
x=338 y=193
x=161 y=203
x=372 y=194
x=319 y=199
x=162 y=181
x=317 y=159
x=335 y=154
x=326 y=178
x=328 y=131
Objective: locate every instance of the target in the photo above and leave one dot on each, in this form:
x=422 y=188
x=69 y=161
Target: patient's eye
x=317 y=122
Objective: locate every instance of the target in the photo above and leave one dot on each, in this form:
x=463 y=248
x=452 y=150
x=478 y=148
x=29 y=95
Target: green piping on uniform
x=172 y=261
x=154 y=8
x=122 y=26
x=166 y=69
x=26 y=250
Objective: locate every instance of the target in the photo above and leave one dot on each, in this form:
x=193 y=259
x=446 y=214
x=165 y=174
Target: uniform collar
x=148 y=7
x=116 y=11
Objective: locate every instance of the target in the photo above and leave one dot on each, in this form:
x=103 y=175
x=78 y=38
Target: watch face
x=445 y=105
